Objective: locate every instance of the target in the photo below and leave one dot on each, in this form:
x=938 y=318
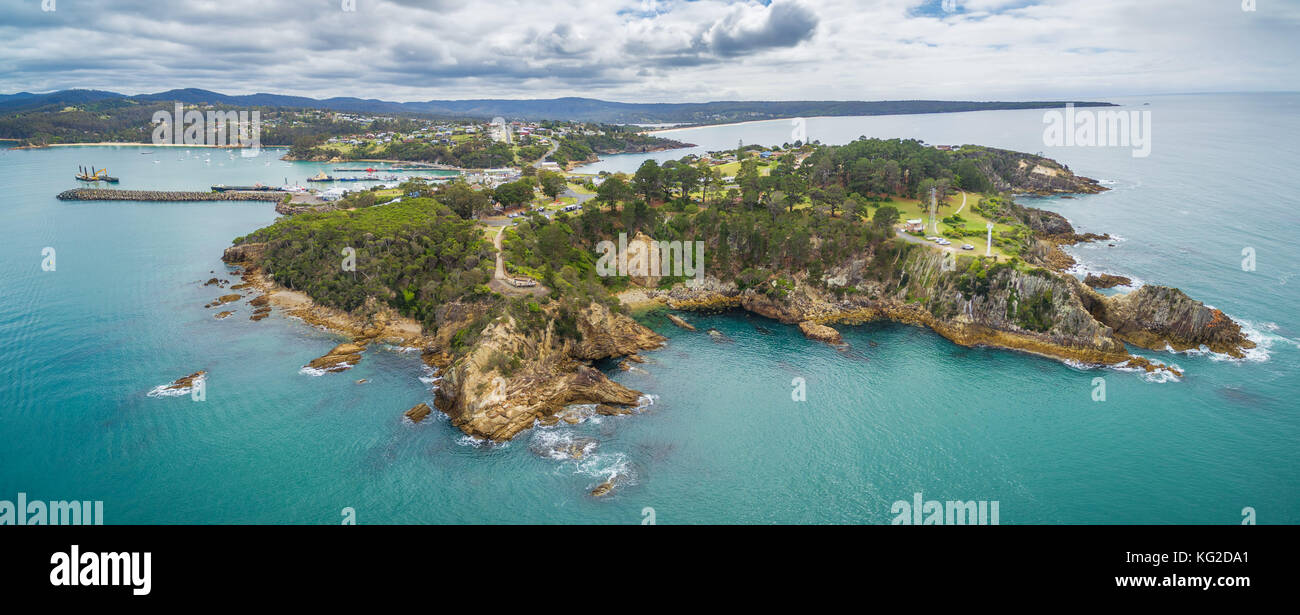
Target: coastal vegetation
x=413 y=256
x=805 y=234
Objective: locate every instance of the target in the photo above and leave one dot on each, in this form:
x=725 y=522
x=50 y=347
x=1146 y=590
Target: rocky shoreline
x=1094 y=328
x=479 y=399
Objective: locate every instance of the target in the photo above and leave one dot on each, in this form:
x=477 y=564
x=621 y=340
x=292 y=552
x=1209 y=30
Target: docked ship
x=92 y=175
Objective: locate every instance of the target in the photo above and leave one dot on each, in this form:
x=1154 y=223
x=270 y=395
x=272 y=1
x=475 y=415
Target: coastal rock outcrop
x=821 y=333
x=485 y=399
x=418 y=413
x=244 y=253
x=982 y=302
x=224 y=299
x=338 y=359
x=1106 y=280
x=609 y=334
x=1154 y=317
x=186 y=381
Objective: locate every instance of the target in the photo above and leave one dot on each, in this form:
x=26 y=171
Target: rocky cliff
x=510 y=379
x=1011 y=171
x=979 y=302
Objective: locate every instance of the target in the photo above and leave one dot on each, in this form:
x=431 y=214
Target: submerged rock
x=222 y=315
x=677 y=320
x=224 y=299
x=603 y=489
x=608 y=410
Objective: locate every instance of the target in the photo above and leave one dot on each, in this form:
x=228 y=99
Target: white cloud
x=643 y=50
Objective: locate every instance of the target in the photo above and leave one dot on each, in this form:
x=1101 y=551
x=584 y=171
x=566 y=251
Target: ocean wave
x=561 y=445
x=477 y=442
x=317 y=372
x=1162 y=376
x=607 y=467
x=1264 y=335
x=1082 y=366
x=430 y=376
x=1081 y=269
x=162 y=390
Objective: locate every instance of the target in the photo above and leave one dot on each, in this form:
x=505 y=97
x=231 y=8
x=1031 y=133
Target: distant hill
x=28 y=100
x=566 y=109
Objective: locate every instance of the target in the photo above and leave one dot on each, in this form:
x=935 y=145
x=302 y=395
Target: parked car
x=967 y=247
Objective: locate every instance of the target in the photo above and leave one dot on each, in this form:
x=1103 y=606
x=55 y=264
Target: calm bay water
x=903 y=411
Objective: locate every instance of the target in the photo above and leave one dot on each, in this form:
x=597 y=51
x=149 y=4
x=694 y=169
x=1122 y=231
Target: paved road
x=582 y=198
x=923 y=241
x=554 y=146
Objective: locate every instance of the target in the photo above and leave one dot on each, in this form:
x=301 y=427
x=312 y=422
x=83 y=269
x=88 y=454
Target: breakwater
x=99 y=194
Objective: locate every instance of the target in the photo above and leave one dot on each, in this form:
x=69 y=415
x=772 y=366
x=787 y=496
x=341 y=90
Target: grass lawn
x=912 y=208
x=579 y=188
x=730 y=169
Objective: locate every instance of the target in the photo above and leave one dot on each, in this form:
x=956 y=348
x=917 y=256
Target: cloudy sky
x=654 y=50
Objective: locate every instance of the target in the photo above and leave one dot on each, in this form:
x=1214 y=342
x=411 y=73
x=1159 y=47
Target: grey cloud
x=787 y=25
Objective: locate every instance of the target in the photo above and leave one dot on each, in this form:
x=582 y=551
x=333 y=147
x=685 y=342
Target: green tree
x=885 y=218
x=552 y=183
x=649 y=181
x=515 y=193
x=463 y=200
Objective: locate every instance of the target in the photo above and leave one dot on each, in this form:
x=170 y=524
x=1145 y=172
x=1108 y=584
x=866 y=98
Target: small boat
x=320 y=177
x=92 y=175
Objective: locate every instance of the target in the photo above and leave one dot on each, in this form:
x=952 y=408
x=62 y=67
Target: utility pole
x=988 y=247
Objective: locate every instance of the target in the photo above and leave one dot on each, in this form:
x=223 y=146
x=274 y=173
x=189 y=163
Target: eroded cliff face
x=974 y=302
x=510 y=379
x=1011 y=171
x=1157 y=317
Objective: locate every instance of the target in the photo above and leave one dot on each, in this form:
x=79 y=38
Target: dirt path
x=501 y=282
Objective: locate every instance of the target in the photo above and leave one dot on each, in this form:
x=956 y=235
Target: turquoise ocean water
x=903 y=411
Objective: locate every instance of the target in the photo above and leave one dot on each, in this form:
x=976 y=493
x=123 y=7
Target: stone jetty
x=101 y=194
